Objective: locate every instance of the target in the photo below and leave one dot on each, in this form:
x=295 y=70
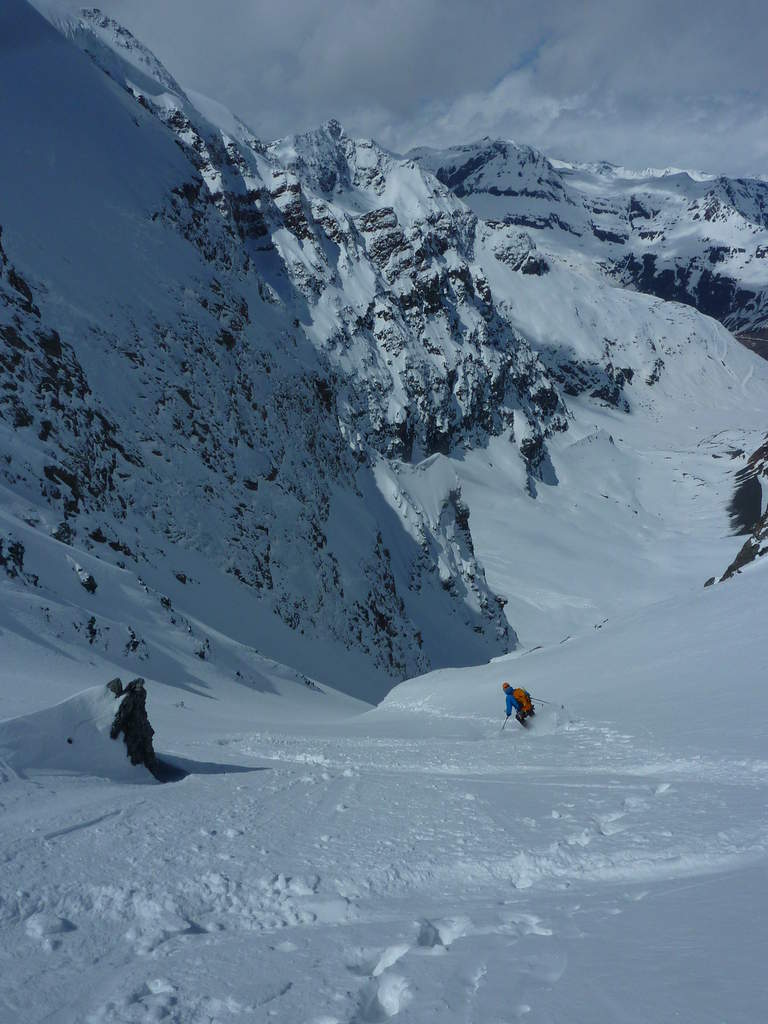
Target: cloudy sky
x=646 y=82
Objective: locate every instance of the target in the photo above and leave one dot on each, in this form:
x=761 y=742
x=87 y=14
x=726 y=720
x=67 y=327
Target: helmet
x=505 y=686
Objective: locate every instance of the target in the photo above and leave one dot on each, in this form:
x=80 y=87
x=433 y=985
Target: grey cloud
x=678 y=82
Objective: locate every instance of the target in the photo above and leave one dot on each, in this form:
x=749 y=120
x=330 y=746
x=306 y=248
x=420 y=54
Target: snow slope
x=681 y=235
x=416 y=861
x=164 y=410
x=281 y=425
x=69 y=738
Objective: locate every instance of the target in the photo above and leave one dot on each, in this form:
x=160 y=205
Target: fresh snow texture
x=282 y=425
x=416 y=861
x=70 y=738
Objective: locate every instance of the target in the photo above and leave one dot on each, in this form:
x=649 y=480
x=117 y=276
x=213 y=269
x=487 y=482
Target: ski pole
x=505 y=722
x=552 y=702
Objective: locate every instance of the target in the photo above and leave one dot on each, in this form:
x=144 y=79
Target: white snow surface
x=72 y=737
x=609 y=862
x=319 y=860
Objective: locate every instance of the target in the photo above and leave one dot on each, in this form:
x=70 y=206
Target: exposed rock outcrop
x=747 y=511
x=694 y=238
x=132 y=722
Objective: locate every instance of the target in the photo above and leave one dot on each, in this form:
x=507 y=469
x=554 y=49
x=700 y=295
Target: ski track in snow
x=359 y=878
x=415 y=864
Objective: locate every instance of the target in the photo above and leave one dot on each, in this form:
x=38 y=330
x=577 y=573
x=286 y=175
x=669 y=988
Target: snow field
x=313 y=863
x=391 y=879
x=416 y=861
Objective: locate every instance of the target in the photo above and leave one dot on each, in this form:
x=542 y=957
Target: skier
x=520 y=700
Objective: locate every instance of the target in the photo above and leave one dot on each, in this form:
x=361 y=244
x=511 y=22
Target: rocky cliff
x=236 y=378
x=695 y=238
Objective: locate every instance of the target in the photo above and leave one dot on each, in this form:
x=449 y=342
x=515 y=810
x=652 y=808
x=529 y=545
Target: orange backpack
x=522 y=699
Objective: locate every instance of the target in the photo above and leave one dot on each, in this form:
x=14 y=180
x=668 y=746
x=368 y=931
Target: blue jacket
x=512 y=703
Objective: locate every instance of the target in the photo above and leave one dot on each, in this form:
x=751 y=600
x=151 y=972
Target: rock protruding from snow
x=75 y=736
x=755 y=516
x=131 y=720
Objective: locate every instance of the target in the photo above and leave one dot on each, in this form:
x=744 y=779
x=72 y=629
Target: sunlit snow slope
x=696 y=238
x=416 y=861
x=283 y=425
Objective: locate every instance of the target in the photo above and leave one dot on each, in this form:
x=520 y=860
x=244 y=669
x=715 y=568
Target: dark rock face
x=746 y=509
x=89 y=583
x=714 y=294
x=12 y=560
x=131 y=720
x=746 y=503
x=640 y=223
x=608 y=236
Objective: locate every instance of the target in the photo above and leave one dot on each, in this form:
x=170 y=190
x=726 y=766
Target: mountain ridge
x=263 y=367
x=686 y=236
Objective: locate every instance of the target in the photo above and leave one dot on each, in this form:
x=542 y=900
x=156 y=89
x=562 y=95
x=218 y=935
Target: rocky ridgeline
x=288 y=341
x=426 y=362
x=697 y=239
x=241 y=408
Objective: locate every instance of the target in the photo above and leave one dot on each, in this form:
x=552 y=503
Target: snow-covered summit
x=285 y=423
x=244 y=381
x=683 y=235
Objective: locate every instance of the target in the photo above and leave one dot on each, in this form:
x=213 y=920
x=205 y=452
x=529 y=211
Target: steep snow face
x=416 y=863
x=70 y=738
x=242 y=382
x=167 y=412
x=680 y=235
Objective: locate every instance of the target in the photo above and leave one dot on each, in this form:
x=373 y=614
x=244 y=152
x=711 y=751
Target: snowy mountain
x=292 y=428
x=173 y=387
x=245 y=383
x=241 y=382
x=680 y=235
